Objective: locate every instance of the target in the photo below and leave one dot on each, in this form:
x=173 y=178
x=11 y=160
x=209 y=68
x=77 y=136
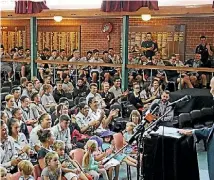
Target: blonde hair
x=133 y=125
x=8 y=97
x=136 y=113
x=90 y=147
x=3 y=172
x=26 y=167
x=49 y=156
x=58 y=144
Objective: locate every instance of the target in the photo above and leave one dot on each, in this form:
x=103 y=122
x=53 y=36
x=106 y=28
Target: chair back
x=184 y=120
x=15 y=176
x=37 y=172
x=3 y=95
x=195 y=116
x=5 y=89
x=118 y=140
x=78 y=154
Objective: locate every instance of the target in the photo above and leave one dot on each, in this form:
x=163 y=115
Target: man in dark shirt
x=134 y=97
x=58 y=92
x=205 y=50
x=107 y=96
x=80 y=90
x=200 y=77
x=45 y=56
x=148 y=46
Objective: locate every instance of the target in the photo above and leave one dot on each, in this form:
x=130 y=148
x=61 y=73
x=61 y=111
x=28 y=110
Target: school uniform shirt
x=26 y=93
x=8 y=111
x=29 y=178
x=99 y=99
x=96 y=116
x=7 y=152
x=67 y=87
x=144 y=94
x=36 y=110
x=34 y=139
x=116 y=91
x=96 y=69
x=63 y=135
x=47 y=99
x=81 y=120
x=73 y=59
x=23 y=128
x=19 y=144
x=17 y=104
x=26 y=113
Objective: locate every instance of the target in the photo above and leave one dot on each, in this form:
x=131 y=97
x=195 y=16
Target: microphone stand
x=139 y=136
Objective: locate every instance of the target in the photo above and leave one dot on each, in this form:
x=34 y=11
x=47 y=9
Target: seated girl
x=20 y=142
x=130 y=126
x=46 y=138
x=108 y=145
x=99 y=155
x=91 y=166
x=70 y=169
x=52 y=170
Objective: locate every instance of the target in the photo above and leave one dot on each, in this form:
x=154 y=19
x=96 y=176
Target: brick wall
x=195 y=27
x=92 y=36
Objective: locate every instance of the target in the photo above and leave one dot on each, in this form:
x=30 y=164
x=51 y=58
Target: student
x=52 y=171
x=111 y=165
x=26 y=168
x=109 y=145
x=92 y=166
x=70 y=169
x=46 y=138
x=130 y=127
x=20 y=142
x=3 y=173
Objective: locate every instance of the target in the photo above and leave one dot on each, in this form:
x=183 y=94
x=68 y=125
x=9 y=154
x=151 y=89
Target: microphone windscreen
x=149 y=117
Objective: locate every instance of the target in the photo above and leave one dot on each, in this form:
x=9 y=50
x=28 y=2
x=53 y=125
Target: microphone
x=185 y=98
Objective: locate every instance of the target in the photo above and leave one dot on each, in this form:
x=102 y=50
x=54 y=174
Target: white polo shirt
x=96 y=116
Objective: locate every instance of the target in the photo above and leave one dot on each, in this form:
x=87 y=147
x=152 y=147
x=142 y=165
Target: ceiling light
x=146 y=17
x=58 y=18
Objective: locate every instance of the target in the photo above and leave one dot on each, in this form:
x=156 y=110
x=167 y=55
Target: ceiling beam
x=97 y=13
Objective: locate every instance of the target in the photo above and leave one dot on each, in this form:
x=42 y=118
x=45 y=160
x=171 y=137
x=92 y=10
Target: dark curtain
x=128 y=6
x=29 y=7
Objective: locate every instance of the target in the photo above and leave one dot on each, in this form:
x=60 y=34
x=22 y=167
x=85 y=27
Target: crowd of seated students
x=44 y=121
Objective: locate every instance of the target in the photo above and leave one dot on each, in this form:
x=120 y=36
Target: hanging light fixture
x=146 y=17
x=58 y=18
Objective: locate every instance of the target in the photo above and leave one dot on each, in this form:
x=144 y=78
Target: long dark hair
x=10 y=123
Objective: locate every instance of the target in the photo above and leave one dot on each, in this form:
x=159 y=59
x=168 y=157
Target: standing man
x=148 y=46
x=208 y=134
x=205 y=50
